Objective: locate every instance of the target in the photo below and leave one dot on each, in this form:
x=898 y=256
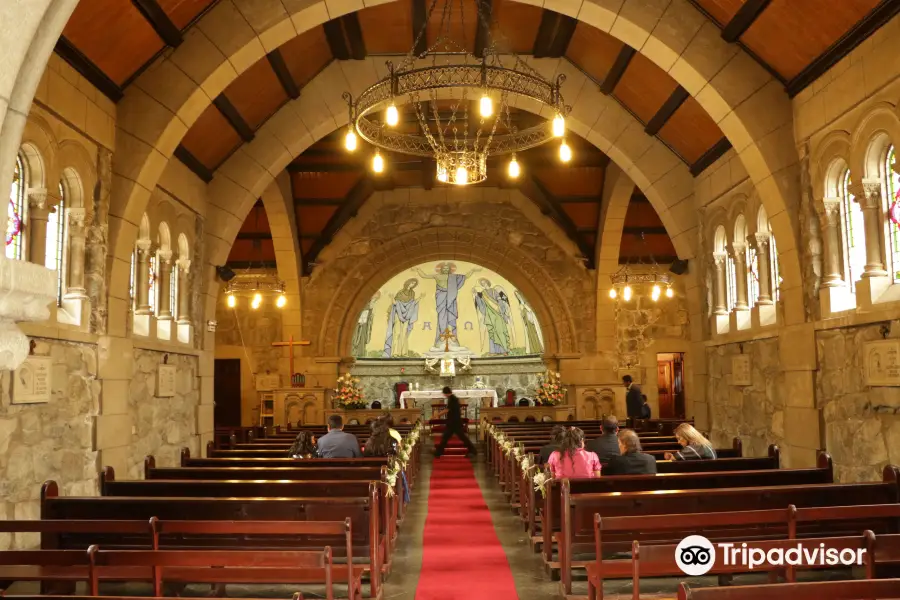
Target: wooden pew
x=578 y=510
x=866 y=589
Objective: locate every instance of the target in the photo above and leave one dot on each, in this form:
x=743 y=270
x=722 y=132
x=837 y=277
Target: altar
x=479 y=397
x=365 y=415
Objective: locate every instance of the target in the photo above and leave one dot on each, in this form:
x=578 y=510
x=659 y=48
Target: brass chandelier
x=626 y=279
x=460 y=103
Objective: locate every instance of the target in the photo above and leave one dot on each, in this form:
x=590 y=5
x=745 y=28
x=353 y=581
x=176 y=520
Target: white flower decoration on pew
x=540 y=479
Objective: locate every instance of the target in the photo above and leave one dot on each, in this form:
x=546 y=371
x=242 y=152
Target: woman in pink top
x=572 y=461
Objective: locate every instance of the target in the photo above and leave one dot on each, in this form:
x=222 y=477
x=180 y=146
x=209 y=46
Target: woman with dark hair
x=304 y=446
x=572 y=461
x=380 y=443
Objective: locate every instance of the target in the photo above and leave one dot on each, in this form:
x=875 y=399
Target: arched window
x=731 y=280
x=17 y=212
x=752 y=275
x=54 y=258
x=151 y=284
x=854 y=233
x=892 y=187
x=773 y=265
x=720 y=246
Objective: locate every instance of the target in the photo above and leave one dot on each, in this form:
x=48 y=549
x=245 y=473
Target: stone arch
x=829 y=160
x=184 y=248
x=79 y=176
x=876 y=131
x=285 y=239
x=165 y=237
x=40 y=149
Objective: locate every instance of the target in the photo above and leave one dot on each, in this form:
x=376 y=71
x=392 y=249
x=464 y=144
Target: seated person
x=304 y=446
x=632 y=461
x=606 y=446
x=389 y=422
x=380 y=443
x=572 y=461
x=556 y=435
x=645 y=408
x=337 y=443
x=695 y=446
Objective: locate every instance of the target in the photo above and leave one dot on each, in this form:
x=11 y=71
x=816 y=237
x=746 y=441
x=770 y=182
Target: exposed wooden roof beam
x=578 y=199
x=193 y=163
x=484 y=10
x=666 y=111
x=565 y=28
x=334 y=34
x=353 y=33
x=533 y=189
x=300 y=201
x=254 y=235
x=353 y=202
x=743 y=19
x=553 y=35
x=160 y=21
x=276 y=61
x=233 y=117
x=644 y=230
x=251 y=264
x=81 y=63
x=617 y=70
x=419 y=34
x=661 y=260
x=710 y=156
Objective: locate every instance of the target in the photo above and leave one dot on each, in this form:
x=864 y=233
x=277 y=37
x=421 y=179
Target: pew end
x=185 y=456
x=150 y=464
x=824 y=461
x=775 y=454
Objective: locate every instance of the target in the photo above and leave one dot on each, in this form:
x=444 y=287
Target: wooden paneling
x=515 y=25
x=641 y=217
x=583 y=214
x=257 y=93
x=211 y=139
x=387 y=28
x=459 y=27
x=690 y=131
x=323 y=185
x=790 y=34
x=113 y=35
x=578 y=181
x=306 y=55
x=593 y=51
x=721 y=10
x=644 y=87
x=252 y=251
x=305 y=245
x=182 y=12
x=257 y=220
x=313 y=219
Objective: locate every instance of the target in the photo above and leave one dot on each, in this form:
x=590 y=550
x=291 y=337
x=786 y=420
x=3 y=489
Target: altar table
x=437 y=394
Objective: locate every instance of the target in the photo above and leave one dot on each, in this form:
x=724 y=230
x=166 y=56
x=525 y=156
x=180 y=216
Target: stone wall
x=49 y=441
x=862 y=424
x=754 y=413
x=162 y=426
x=641 y=321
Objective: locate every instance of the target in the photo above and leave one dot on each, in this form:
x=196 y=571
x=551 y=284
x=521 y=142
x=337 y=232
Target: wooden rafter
x=644 y=230
x=617 y=70
x=711 y=156
x=553 y=35
x=666 y=111
x=87 y=69
x=550 y=206
x=193 y=163
x=419 y=14
x=254 y=235
x=276 y=61
x=351 y=205
x=743 y=19
x=160 y=21
x=485 y=10
x=234 y=118
x=334 y=35
x=353 y=33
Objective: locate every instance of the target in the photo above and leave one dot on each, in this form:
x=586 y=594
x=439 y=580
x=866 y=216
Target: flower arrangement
x=539 y=480
x=401 y=459
x=550 y=390
x=347 y=395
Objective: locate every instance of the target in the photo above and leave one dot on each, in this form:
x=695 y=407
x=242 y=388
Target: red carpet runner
x=462 y=557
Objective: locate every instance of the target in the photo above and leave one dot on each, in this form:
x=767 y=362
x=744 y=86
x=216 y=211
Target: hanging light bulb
x=626 y=293
x=486 y=106
x=513 y=169
x=378 y=163
x=613 y=293
x=442 y=174
x=281 y=302
x=393 y=115
x=231 y=301
x=462 y=176
x=350 y=140
x=565 y=153
x=559 y=125
x=257 y=301
x=655 y=293
x=669 y=292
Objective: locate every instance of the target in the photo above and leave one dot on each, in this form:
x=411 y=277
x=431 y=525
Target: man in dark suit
x=606 y=446
x=632 y=461
x=337 y=443
x=633 y=400
x=454 y=425
x=556 y=435
x=645 y=408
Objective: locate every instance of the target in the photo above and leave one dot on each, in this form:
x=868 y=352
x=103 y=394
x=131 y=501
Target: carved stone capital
x=165 y=256
x=831 y=211
x=719 y=259
x=26 y=291
x=37 y=198
x=867 y=193
x=762 y=241
x=76 y=217
x=143 y=245
x=739 y=252
x=184 y=265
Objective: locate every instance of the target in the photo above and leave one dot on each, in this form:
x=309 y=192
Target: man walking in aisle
x=454 y=426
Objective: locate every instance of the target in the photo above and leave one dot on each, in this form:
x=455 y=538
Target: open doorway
x=670 y=382
x=227 y=392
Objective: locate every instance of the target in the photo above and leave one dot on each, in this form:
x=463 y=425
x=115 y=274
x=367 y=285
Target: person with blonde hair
x=695 y=446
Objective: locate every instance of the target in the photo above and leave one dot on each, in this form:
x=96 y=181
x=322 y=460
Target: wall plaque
x=32 y=381
x=268 y=382
x=740 y=370
x=165 y=383
x=882 y=362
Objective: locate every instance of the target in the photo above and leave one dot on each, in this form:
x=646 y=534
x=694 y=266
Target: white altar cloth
x=461 y=394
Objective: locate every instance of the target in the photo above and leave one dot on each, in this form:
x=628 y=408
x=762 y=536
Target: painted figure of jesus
x=447 y=286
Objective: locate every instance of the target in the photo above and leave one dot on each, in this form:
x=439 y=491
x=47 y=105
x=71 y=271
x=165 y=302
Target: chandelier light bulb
x=613 y=293
x=655 y=294
x=462 y=176
x=231 y=301
x=513 y=170
x=378 y=163
x=565 y=153
x=626 y=293
x=559 y=125
x=442 y=175
x=350 y=140
x=669 y=292
x=393 y=115
x=257 y=301
x=281 y=302
x=486 y=106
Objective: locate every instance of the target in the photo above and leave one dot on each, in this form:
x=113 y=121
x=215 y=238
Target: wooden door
x=664 y=369
x=227 y=392
x=678 y=385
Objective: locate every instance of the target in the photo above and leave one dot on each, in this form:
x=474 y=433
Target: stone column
x=165 y=277
x=762 y=260
x=721 y=291
x=75 y=288
x=870 y=201
x=184 y=290
x=142 y=278
x=833 y=276
x=739 y=252
x=36 y=225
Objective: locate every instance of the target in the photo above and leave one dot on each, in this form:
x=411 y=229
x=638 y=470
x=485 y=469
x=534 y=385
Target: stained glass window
x=892 y=186
x=56 y=243
x=854 y=238
x=731 y=282
x=16 y=213
x=152 y=285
